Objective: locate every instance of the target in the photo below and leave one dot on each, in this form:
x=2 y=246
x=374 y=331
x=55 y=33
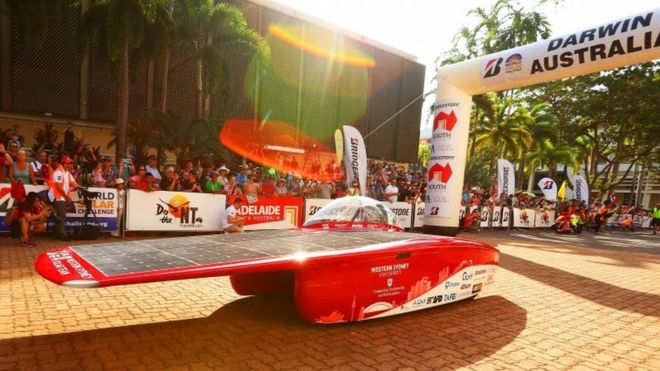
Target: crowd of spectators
x=385 y=181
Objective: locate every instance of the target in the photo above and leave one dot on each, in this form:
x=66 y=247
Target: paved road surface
x=560 y=302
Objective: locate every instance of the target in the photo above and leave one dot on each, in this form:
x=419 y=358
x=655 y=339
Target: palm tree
x=214 y=30
x=501 y=132
x=501 y=27
x=120 y=27
x=551 y=155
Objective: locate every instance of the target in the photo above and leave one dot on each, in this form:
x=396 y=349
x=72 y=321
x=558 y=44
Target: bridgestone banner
x=355 y=158
x=312 y=205
x=580 y=188
x=403 y=212
x=549 y=189
x=174 y=211
x=506 y=178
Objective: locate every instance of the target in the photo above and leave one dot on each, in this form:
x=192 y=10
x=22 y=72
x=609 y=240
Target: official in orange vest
x=61 y=184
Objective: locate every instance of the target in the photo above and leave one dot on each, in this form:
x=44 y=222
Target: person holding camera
x=61 y=184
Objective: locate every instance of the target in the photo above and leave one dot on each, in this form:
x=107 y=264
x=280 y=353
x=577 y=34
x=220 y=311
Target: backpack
x=18 y=191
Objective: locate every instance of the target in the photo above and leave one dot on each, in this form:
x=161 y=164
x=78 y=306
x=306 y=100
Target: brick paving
x=560 y=302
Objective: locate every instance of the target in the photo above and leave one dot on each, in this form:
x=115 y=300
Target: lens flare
x=315 y=42
x=276 y=145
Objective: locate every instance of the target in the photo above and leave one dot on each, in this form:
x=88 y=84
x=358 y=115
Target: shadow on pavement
x=596 y=291
x=256 y=332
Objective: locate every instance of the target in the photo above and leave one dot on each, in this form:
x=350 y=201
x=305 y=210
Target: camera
x=87 y=194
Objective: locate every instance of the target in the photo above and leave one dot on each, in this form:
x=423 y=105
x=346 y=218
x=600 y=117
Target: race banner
x=485 y=217
x=271 y=212
x=505 y=178
x=523 y=218
x=103 y=204
x=355 y=158
x=403 y=212
x=506 y=217
x=496 y=221
x=549 y=189
x=580 y=189
x=174 y=211
x=312 y=205
x=544 y=218
x=419 y=215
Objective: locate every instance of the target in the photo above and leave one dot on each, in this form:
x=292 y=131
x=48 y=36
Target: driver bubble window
x=354 y=209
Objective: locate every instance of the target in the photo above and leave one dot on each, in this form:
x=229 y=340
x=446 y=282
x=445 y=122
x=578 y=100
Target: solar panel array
x=150 y=255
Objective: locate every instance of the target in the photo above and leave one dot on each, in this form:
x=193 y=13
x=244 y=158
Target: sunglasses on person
x=142 y=169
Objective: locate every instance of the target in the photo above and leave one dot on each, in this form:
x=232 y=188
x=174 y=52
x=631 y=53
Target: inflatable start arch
x=631 y=40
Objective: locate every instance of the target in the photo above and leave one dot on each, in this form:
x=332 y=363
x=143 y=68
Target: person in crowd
x=138 y=178
x=126 y=169
x=655 y=222
x=170 y=181
x=191 y=184
x=251 y=188
x=280 y=189
x=232 y=188
x=148 y=183
x=223 y=173
x=232 y=222
x=12 y=149
x=29 y=218
x=69 y=137
x=242 y=176
x=213 y=185
x=152 y=167
x=21 y=169
x=36 y=178
x=391 y=191
x=601 y=216
x=97 y=179
x=325 y=190
x=268 y=187
x=109 y=172
x=61 y=184
x=121 y=197
x=354 y=189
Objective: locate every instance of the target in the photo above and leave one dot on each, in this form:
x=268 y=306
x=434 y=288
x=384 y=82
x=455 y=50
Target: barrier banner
x=523 y=218
x=271 y=212
x=485 y=217
x=312 y=205
x=461 y=213
x=544 y=218
x=506 y=217
x=174 y=211
x=496 y=221
x=403 y=212
x=419 y=215
x=104 y=205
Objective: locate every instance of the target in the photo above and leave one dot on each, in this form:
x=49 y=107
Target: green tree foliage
x=611 y=119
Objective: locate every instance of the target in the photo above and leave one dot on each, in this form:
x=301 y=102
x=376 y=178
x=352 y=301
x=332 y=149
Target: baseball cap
x=64 y=159
x=119 y=181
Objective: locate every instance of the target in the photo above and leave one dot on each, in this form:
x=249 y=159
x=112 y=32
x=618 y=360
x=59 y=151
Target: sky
x=425 y=28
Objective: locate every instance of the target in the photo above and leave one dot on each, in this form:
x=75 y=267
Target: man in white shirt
x=231 y=221
x=152 y=167
x=61 y=184
x=391 y=191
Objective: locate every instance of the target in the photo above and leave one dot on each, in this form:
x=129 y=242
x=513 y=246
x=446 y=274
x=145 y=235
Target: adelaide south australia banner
x=174 y=211
x=271 y=212
x=104 y=206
